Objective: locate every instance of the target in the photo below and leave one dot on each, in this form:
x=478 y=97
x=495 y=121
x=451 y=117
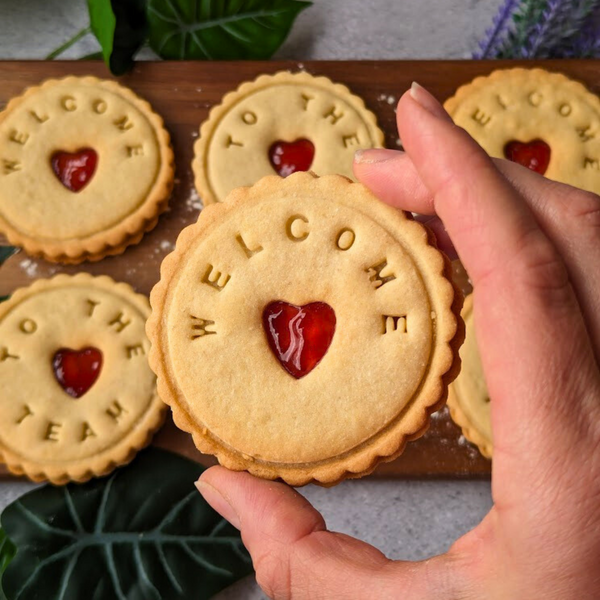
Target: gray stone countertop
x=408 y=520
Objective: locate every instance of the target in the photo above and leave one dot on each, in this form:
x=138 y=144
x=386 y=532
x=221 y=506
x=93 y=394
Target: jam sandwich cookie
x=86 y=168
x=468 y=398
x=542 y=120
x=304 y=330
x=78 y=396
x=280 y=124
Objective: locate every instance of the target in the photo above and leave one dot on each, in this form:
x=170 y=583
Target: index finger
x=529 y=323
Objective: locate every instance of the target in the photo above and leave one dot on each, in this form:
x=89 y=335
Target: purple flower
x=493 y=35
x=543 y=29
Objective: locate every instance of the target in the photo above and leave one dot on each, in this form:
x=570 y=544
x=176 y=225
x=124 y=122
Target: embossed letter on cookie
x=281 y=124
x=303 y=329
x=78 y=395
x=85 y=169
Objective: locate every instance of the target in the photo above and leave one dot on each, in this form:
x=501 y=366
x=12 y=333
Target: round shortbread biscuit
x=63 y=415
x=531 y=105
x=304 y=330
x=233 y=149
x=86 y=167
x=468 y=398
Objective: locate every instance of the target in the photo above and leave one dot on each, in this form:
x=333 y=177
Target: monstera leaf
x=6 y=252
x=120 y=27
x=227 y=29
x=7 y=551
x=142 y=533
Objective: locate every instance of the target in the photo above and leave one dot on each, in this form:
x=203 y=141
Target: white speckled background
x=404 y=519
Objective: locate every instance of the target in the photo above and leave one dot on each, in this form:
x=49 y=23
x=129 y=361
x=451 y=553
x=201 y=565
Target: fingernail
x=219 y=502
x=375 y=155
x=421 y=96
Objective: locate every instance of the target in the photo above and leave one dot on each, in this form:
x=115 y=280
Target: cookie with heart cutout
x=304 y=330
x=78 y=396
x=468 y=397
x=541 y=120
x=86 y=168
x=281 y=124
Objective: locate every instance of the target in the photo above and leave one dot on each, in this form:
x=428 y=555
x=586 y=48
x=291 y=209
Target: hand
x=532 y=249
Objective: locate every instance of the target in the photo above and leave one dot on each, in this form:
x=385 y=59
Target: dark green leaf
x=6 y=252
x=142 y=533
x=227 y=29
x=7 y=551
x=92 y=56
x=4 y=298
x=121 y=28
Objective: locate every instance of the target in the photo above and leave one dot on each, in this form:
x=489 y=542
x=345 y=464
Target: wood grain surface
x=183 y=93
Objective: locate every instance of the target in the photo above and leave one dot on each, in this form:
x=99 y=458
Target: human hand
x=532 y=249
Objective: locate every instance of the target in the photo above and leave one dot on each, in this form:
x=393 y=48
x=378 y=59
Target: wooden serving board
x=183 y=93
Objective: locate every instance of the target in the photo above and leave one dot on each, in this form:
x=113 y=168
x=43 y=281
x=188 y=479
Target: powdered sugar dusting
x=389 y=98
x=440 y=414
x=30 y=267
x=193 y=201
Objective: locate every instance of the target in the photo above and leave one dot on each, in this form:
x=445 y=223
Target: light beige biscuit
x=279 y=124
x=78 y=397
x=468 y=398
x=304 y=330
x=511 y=111
x=86 y=168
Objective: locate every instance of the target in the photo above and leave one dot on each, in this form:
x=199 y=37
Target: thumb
x=296 y=557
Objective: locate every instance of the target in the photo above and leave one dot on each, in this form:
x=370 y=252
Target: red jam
x=75 y=169
x=299 y=336
x=534 y=155
x=288 y=157
x=77 y=370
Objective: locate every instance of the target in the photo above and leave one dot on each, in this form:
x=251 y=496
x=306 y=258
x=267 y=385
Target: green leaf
x=227 y=29
x=6 y=252
x=7 y=551
x=121 y=28
x=142 y=533
x=92 y=56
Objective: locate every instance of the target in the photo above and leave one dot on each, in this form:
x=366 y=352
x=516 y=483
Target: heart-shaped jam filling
x=534 y=155
x=288 y=157
x=77 y=370
x=75 y=169
x=299 y=336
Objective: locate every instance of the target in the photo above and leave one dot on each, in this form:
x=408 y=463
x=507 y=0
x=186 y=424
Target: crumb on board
x=193 y=201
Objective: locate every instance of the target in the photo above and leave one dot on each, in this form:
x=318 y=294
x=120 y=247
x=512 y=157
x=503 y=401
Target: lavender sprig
x=561 y=21
x=585 y=43
x=494 y=35
x=525 y=18
x=546 y=30
x=543 y=29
